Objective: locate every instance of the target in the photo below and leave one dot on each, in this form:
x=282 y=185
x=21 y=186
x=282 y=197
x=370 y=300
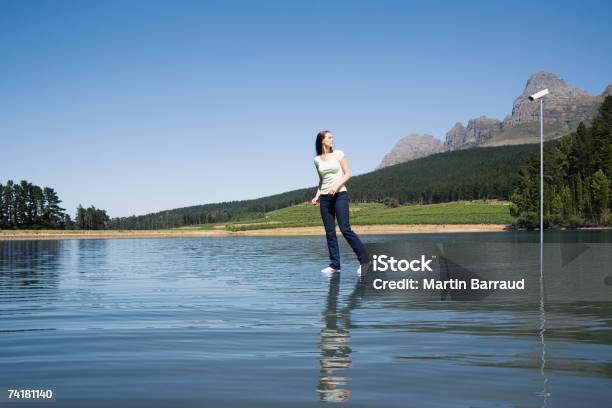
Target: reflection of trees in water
x=92 y=257
x=31 y=265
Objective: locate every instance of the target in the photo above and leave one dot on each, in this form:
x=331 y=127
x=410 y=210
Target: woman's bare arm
x=318 y=193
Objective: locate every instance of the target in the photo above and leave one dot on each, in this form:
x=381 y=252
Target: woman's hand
x=332 y=191
x=314 y=200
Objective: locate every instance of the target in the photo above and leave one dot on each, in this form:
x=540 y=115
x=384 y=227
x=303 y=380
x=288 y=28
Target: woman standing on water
x=334 y=200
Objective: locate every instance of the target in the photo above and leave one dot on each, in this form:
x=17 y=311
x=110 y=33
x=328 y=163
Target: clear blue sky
x=136 y=107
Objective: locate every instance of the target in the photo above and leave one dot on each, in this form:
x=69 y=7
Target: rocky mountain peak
x=478 y=131
x=413 y=146
x=564 y=104
x=608 y=91
x=457 y=127
x=542 y=79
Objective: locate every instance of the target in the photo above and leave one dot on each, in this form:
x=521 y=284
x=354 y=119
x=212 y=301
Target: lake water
x=251 y=322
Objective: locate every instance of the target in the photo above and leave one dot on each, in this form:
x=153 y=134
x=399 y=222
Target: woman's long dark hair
x=319 y=142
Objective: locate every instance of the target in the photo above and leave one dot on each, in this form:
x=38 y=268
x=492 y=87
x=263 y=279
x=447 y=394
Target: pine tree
x=21 y=205
x=53 y=213
x=602 y=136
x=79 y=219
x=567 y=202
x=601 y=190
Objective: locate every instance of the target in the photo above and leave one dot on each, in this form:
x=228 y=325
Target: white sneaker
x=366 y=265
x=329 y=270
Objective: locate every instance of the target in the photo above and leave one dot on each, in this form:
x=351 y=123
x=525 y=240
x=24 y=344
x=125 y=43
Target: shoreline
x=379 y=229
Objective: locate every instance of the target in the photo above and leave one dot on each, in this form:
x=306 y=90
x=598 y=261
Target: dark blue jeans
x=337 y=206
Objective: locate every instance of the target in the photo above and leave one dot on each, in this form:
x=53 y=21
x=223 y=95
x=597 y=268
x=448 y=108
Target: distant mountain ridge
x=413 y=146
x=564 y=108
x=478 y=131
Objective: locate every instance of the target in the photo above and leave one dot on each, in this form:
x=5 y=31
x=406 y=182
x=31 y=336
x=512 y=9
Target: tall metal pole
x=544 y=393
x=541 y=170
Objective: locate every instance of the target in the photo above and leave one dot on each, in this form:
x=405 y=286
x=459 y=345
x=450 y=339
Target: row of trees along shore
x=91 y=218
x=28 y=206
x=577 y=178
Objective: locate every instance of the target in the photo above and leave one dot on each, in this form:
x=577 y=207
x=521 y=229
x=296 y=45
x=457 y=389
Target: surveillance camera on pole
x=538 y=95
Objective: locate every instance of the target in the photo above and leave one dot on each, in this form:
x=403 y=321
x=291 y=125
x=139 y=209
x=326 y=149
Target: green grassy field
x=458 y=212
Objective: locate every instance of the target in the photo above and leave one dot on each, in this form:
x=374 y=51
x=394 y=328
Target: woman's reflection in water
x=334 y=344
